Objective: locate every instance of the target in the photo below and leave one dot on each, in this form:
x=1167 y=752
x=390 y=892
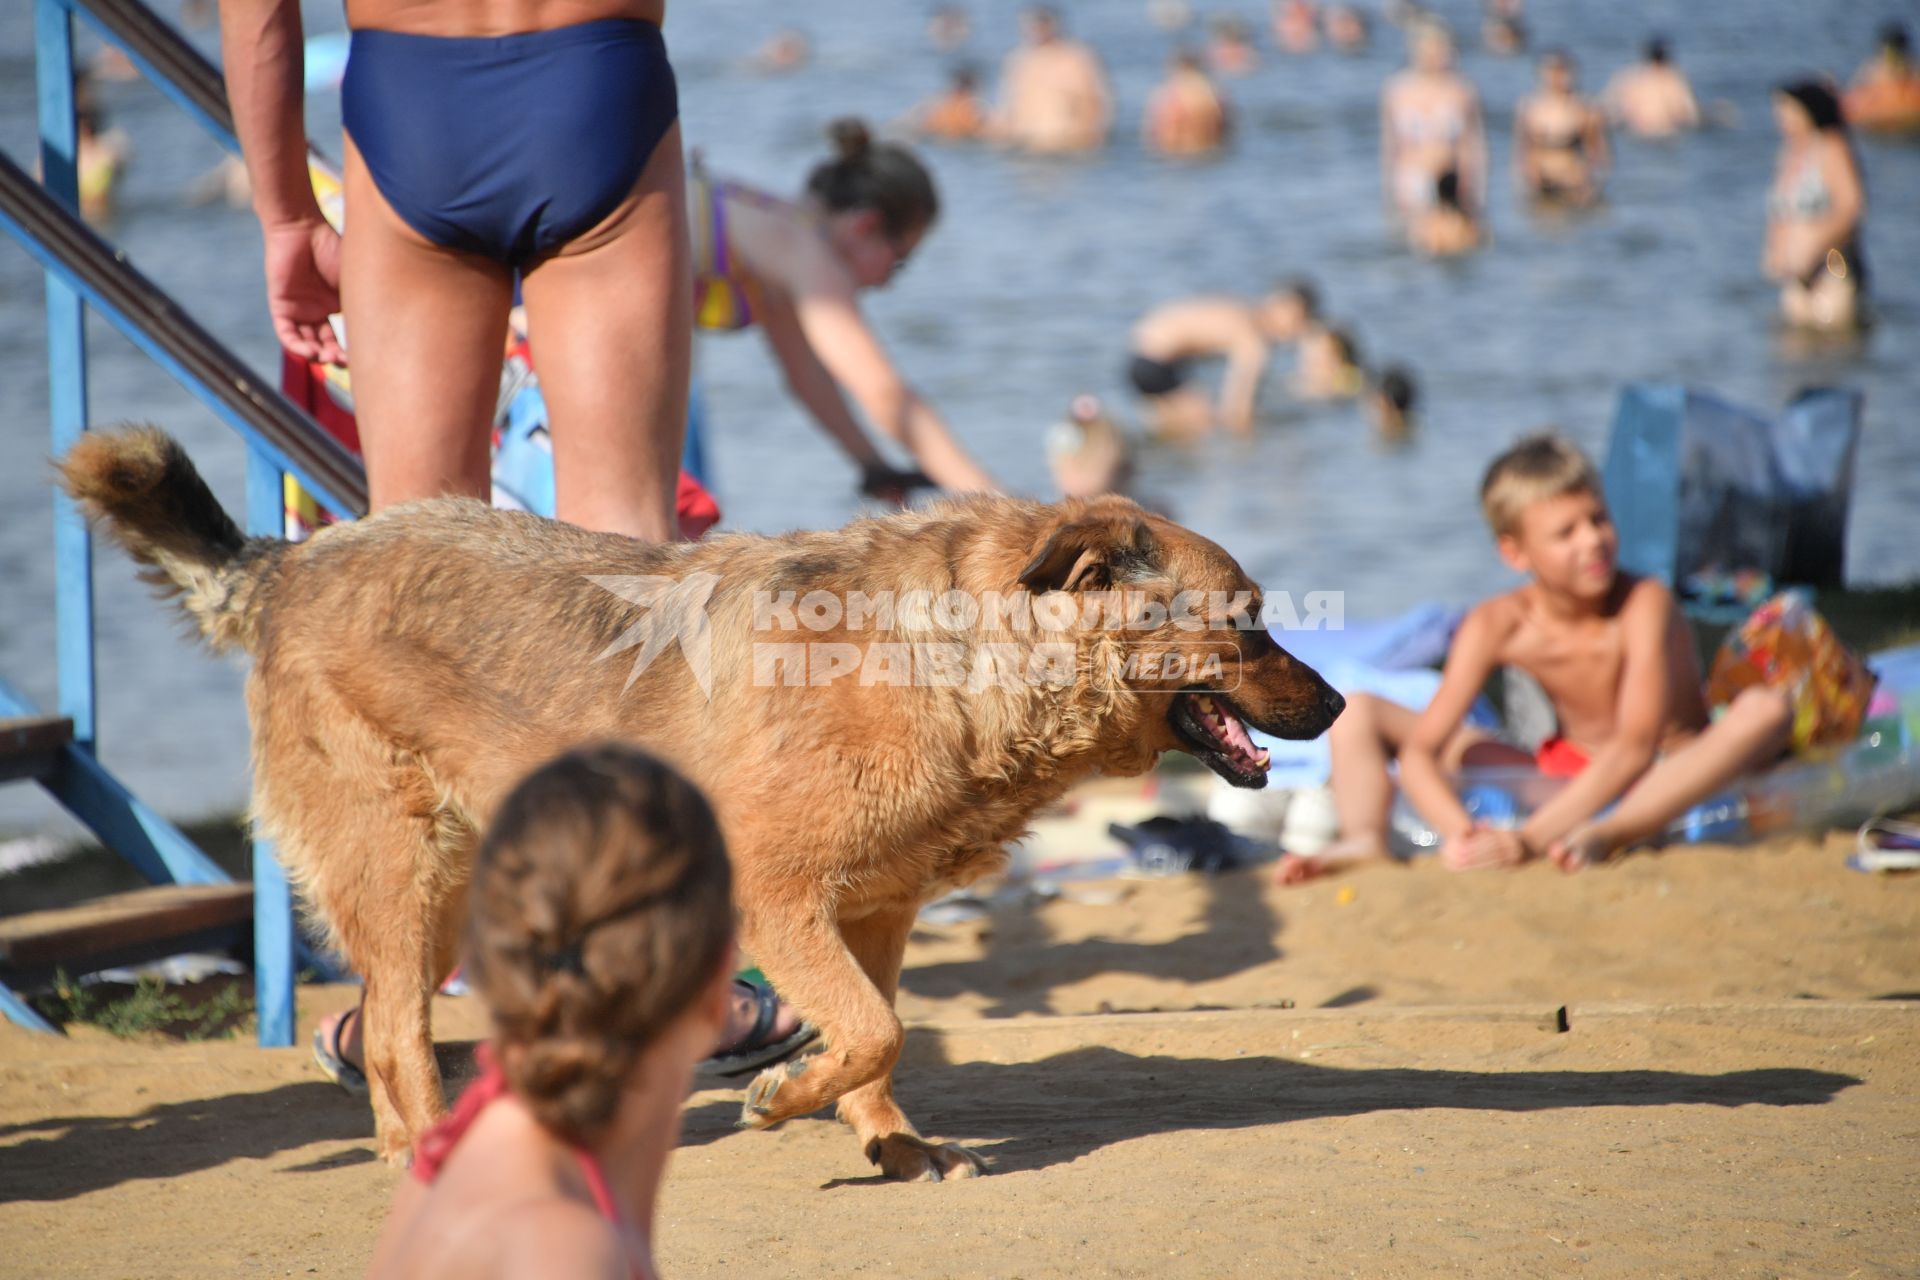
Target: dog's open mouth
x=1217 y=736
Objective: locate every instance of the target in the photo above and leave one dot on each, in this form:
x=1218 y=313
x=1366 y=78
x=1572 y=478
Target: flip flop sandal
x=753 y=1050
x=1885 y=844
x=326 y=1052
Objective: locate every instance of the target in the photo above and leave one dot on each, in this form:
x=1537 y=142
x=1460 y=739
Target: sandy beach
x=1186 y=1077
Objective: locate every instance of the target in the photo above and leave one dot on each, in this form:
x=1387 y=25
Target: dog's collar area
x=1216 y=734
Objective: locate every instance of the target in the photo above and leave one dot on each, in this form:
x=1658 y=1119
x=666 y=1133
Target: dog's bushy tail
x=138 y=484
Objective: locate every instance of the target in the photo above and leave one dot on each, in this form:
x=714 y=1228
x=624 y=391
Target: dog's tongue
x=1234 y=732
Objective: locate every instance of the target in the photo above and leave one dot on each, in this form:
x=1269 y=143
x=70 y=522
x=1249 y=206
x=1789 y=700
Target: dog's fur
x=410 y=667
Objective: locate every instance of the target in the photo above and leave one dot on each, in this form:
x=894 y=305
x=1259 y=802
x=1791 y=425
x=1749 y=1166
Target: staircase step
x=30 y=745
x=126 y=928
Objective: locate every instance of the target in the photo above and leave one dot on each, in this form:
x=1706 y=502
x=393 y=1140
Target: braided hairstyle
x=882 y=176
x=600 y=908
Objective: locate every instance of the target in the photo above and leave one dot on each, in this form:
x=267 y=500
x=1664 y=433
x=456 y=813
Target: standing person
x=1559 y=138
x=796 y=269
x=1054 y=95
x=600 y=936
x=1815 y=212
x=547 y=148
x=1430 y=126
x=1653 y=98
x=1186 y=115
x=550 y=151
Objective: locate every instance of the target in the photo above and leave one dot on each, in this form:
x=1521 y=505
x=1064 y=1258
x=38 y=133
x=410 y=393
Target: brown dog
x=864 y=752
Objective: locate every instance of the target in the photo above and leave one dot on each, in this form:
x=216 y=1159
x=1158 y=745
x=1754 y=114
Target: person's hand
x=890 y=486
x=303 y=287
x=1485 y=847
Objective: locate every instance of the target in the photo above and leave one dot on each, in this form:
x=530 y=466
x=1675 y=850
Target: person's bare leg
x=611 y=321
x=1362 y=743
x=426 y=329
x=1752 y=730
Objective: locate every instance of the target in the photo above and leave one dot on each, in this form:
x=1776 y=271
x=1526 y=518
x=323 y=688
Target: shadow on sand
x=1064 y=1107
x=1236 y=933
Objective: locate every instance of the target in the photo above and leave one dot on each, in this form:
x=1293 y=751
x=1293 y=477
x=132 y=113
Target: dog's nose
x=1334 y=704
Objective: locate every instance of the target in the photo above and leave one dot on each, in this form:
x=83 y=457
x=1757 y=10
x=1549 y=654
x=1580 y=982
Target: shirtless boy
x=1616 y=660
x=1168 y=339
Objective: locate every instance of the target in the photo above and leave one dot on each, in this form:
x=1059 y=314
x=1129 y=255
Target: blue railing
x=82 y=271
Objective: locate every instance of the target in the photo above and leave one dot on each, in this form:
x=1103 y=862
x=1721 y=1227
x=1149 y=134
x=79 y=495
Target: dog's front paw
x=763 y=1107
x=905 y=1158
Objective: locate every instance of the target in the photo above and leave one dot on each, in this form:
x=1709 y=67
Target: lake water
x=1025 y=294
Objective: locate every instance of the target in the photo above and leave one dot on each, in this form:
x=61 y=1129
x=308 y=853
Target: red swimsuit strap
x=432 y=1149
x=435 y=1147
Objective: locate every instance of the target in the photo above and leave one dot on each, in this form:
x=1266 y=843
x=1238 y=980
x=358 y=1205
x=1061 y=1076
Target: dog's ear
x=1091 y=555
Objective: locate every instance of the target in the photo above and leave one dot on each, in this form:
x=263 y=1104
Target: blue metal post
x=67 y=373
x=273 y=932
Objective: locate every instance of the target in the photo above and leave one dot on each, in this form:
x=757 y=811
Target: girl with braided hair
x=600 y=935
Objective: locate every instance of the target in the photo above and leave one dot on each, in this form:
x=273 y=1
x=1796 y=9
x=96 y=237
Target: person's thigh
x=611 y=321
x=426 y=328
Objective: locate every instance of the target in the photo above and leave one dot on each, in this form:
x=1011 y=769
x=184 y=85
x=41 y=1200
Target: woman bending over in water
x=796 y=269
x=1559 y=138
x=1430 y=126
x=1815 y=211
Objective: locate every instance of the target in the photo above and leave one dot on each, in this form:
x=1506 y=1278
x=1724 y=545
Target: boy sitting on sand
x=600 y=934
x=1616 y=660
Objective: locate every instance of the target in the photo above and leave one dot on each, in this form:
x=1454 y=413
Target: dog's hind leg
x=878 y=943
x=361 y=833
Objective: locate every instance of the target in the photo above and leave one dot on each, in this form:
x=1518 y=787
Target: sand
x=1191 y=1077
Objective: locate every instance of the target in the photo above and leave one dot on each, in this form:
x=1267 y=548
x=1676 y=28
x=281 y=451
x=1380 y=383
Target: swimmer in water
x=784 y=51
x=1445 y=228
x=1885 y=93
x=1390 y=402
x=1230 y=50
x=1815 y=212
x=1055 y=95
x=1186 y=115
x=1503 y=33
x=1330 y=366
x=1296 y=26
x=949 y=27
x=1559 y=138
x=1347 y=29
x=1087 y=453
x=1653 y=98
x=1431 y=126
x=1170 y=339
x=957 y=115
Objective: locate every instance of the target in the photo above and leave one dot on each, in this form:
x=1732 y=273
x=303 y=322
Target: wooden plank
x=70 y=937
x=30 y=745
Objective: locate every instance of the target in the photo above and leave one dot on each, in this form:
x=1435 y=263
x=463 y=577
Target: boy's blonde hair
x=1541 y=466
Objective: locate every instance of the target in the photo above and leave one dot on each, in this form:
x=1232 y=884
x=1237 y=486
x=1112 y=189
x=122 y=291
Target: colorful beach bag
x=1785 y=645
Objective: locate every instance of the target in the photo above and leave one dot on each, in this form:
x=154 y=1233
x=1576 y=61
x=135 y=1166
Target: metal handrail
x=83 y=270
x=153 y=321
